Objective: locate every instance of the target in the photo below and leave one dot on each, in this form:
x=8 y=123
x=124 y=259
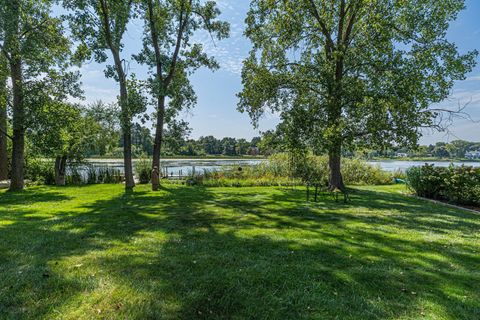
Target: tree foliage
x=349 y=73
x=33 y=42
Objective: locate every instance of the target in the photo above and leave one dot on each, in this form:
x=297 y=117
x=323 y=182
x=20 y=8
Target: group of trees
x=456 y=149
x=342 y=74
x=106 y=141
x=39 y=50
x=210 y=145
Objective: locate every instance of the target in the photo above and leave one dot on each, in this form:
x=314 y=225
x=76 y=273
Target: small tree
x=100 y=26
x=349 y=73
x=170 y=52
x=108 y=136
x=65 y=140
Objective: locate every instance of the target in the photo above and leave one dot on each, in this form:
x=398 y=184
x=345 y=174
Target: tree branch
x=33 y=28
x=181 y=28
x=5 y=53
x=6 y=134
x=325 y=31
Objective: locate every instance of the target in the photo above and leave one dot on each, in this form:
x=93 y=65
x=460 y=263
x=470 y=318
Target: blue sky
x=216 y=114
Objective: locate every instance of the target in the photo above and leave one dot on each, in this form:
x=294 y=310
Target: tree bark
x=126 y=125
x=60 y=170
x=12 y=43
x=162 y=83
x=18 y=147
x=157 y=146
x=125 y=117
x=3 y=123
x=335 y=175
x=158 y=140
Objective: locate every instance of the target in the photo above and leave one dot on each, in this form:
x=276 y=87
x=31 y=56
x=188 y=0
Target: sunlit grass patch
x=258 y=252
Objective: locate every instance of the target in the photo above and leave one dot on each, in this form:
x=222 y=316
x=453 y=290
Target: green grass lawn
x=236 y=253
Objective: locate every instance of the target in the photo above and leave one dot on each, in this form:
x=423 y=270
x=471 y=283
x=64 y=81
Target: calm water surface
x=394 y=165
x=174 y=166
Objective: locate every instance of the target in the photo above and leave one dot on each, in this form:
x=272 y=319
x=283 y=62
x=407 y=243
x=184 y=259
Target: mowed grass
x=93 y=252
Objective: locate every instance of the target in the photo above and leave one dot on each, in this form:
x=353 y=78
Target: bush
x=460 y=185
x=40 y=171
x=143 y=170
x=359 y=172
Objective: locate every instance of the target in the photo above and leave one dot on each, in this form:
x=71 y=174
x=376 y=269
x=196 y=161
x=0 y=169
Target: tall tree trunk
x=126 y=123
x=12 y=43
x=163 y=82
x=125 y=117
x=158 y=140
x=60 y=170
x=18 y=147
x=3 y=121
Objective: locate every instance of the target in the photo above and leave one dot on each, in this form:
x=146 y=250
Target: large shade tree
x=38 y=57
x=100 y=25
x=345 y=73
x=172 y=54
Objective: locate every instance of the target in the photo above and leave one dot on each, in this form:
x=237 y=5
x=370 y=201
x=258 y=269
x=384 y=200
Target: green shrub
x=460 y=185
x=359 y=172
x=40 y=171
x=143 y=170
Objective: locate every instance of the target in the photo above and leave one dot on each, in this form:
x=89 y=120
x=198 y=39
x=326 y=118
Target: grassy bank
x=184 y=253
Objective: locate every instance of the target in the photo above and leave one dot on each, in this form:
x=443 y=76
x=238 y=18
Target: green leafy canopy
x=351 y=72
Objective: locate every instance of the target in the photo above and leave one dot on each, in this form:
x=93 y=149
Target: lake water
x=185 y=166
x=394 y=165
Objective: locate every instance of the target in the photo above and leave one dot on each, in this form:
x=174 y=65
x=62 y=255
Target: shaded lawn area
x=247 y=253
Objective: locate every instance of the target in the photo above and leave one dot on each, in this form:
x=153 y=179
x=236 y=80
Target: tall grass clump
x=287 y=170
x=74 y=175
x=89 y=174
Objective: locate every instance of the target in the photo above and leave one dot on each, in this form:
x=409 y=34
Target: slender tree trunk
x=157 y=146
x=163 y=82
x=158 y=140
x=3 y=122
x=60 y=170
x=125 y=117
x=18 y=147
x=126 y=123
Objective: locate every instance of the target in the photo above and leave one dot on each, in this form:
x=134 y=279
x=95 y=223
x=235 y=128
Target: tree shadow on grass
x=258 y=253
x=30 y=196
